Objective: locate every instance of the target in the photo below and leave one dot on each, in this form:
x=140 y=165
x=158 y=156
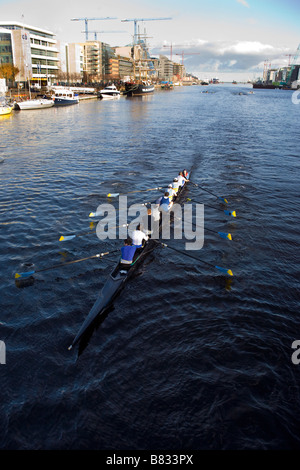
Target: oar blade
x=113 y=194
x=224 y=270
x=223 y=199
x=24 y=275
x=230 y=213
x=226 y=236
x=66 y=238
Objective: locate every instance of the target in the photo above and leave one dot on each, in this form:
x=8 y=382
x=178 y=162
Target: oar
x=95 y=214
x=30 y=273
x=230 y=213
x=65 y=238
x=223 y=270
x=130 y=192
x=224 y=235
x=204 y=189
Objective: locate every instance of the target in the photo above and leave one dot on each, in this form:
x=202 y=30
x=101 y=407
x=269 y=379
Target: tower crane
x=171 y=49
x=187 y=53
x=86 y=20
x=135 y=20
x=96 y=32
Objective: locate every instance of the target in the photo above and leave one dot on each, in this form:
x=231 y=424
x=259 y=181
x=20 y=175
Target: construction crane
x=293 y=73
x=86 y=20
x=171 y=49
x=96 y=32
x=296 y=59
x=135 y=20
x=187 y=53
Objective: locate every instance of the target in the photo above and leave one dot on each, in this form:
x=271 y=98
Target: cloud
x=243 y=2
x=225 y=56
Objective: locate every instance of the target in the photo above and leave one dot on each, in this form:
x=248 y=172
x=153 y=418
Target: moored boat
x=34 y=104
x=165 y=85
x=138 y=89
x=109 y=92
x=65 y=97
x=5 y=110
x=116 y=282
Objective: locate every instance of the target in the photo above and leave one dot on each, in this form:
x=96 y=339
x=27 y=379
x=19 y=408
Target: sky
x=227 y=39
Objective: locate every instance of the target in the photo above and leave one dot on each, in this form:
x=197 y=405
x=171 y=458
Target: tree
x=8 y=71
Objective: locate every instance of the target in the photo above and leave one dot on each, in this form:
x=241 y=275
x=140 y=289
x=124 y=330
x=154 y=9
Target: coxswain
x=185 y=175
x=127 y=252
x=138 y=237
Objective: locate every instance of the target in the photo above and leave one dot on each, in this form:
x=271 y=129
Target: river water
x=188 y=358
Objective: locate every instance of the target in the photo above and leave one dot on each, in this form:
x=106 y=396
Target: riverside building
x=32 y=50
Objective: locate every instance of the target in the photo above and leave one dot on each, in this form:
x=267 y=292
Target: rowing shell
x=116 y=282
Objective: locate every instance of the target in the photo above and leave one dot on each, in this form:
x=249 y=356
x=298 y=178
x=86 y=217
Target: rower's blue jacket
x=165 y=200
x=128 y=252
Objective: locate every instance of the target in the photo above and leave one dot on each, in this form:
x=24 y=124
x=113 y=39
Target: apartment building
x=33 y=50
x=71 y=62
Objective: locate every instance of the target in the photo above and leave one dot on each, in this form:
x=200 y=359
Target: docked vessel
x=138 y=89
x=139 y=83
x=5 y=110
x=110 y=92
x=264 y=85
x=65 y=97
x=34 y=104
x=165 y=85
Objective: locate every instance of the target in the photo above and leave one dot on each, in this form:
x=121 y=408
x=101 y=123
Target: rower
x=165 y=202
x=139 y=237
x=171 y=192
x=127 y=252
x=181 y=179
x=175 y=185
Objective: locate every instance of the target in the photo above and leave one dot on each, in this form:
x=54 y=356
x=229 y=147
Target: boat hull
x=115 y=283
x=110 y=92
x=65 y=102
x=34 y=104
x=107 y=96
x=5 y=110
x=132 y=89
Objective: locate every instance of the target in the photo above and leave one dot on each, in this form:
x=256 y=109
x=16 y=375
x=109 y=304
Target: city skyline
x=230 y=39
